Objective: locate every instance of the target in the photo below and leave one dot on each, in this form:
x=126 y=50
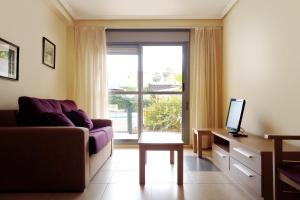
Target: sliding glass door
x=146 y=87
x=162 y=88
x=123 y=85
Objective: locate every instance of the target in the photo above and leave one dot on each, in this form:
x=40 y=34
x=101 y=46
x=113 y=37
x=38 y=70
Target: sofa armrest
x=43 y=158
x=99 y=123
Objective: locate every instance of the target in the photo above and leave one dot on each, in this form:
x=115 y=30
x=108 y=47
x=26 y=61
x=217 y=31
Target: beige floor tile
x=103 y=176
x=207 y=177
x=230 y=191
x=127 y=191
x=165 y=177
x=154 y=177
x=161 y=177
x=125 y=153
x=109 y=165
x=161 y=167
x=130 y=177
x=126 y=166
x=94 y=192
x=116 y=156
x=159 y=157
x=165 y=191
x=213 y=192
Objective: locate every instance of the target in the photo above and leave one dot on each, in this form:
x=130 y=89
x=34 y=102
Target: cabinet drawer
x=245 y=177
x=246 y=156
x=220 y=157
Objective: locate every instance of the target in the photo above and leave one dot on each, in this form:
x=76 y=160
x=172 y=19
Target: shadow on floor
x=192 y=163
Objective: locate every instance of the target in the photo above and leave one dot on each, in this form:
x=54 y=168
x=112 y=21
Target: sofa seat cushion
x=80 y=118
x=99 y=138
x=56 y=119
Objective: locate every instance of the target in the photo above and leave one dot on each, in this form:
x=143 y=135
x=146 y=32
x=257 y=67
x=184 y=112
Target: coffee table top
x=160 y=138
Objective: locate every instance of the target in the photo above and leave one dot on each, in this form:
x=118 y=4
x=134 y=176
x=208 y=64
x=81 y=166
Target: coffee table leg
x=142 y=164
x=172 y=156
x=180 y=165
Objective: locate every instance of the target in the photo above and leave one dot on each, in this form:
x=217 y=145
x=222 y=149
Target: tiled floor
x=118 y=179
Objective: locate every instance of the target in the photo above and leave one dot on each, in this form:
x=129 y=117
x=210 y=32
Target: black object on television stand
x=237 y=134
x=234 y=117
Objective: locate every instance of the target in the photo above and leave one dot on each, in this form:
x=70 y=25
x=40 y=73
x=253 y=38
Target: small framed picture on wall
x=48 y=53
x=9 y=60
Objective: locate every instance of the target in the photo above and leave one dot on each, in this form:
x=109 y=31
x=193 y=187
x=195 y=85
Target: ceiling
x=147 y=9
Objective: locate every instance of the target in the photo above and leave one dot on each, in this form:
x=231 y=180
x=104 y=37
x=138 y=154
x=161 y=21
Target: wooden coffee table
x=161 y=142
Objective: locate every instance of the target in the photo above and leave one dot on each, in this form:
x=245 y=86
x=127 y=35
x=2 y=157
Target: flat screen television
x=235 y=115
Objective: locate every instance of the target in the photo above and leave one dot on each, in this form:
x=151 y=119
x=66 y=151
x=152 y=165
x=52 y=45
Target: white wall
x=24 y=23
x=262 y=64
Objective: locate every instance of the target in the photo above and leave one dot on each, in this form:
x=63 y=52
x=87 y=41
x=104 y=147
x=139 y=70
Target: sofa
x=36 y=156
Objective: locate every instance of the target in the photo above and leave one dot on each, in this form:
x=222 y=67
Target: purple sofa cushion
x=31 y=109
x=292 y=172
x=99 y=138
x=67 y=106
x=56 y=119
x=80 y=118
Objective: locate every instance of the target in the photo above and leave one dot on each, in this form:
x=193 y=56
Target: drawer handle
x=220 y=154
x=244 y=153
x=243 y=170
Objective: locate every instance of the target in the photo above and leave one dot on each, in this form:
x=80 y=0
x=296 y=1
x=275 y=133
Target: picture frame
x=49 y=50
x=9 y=60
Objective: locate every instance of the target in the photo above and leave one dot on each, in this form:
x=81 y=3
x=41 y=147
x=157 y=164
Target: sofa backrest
x=8 y=118
x=31 y=109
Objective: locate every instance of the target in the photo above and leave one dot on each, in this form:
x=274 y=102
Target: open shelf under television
x=222 y=143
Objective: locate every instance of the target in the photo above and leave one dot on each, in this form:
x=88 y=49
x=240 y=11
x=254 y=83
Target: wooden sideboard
x=247 y=160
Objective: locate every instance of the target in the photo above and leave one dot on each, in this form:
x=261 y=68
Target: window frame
x=140 y=92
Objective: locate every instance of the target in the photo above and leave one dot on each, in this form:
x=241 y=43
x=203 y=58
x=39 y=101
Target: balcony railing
x=124 y=122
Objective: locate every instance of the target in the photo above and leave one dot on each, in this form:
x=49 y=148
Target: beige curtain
x=206 y=80
x=90 y=83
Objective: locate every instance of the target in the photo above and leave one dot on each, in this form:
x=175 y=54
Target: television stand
x=247 y=161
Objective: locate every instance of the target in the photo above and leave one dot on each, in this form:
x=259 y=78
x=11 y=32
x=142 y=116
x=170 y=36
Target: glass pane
x=124 y=115
x=162 y=113
x=162 y=68
x=122 y=72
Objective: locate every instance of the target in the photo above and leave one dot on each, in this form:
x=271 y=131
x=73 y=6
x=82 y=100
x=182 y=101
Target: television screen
x=235 y=114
